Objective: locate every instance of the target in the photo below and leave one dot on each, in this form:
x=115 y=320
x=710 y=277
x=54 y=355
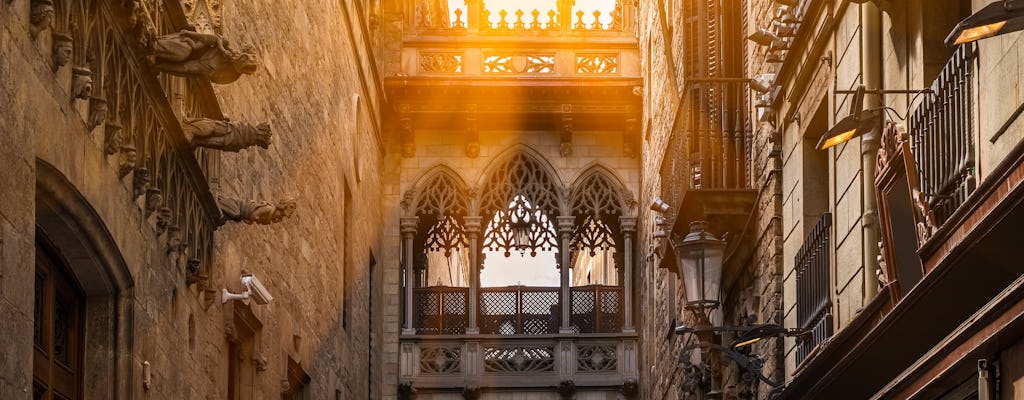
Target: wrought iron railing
x=596 y=309
x=942 y=128
x=441 y=310
x=813 y=300
x=520 y=310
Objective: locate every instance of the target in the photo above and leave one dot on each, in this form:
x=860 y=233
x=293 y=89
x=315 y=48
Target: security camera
x=251 y=288
x=659 y=205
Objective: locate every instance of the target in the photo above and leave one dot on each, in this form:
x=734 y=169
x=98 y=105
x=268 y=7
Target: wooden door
x=57 y=332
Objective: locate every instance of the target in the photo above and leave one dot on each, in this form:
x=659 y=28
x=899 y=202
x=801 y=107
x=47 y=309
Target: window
x=814 y=303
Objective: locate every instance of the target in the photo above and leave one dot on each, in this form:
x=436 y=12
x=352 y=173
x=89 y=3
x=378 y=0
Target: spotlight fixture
x=789 y=3
x=785 y=29
x=762 y=83
x=994 y=19
x=659 y=205
x=765 y=37
x=859 y=122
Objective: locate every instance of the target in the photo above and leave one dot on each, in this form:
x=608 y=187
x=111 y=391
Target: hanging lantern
x=699 y=256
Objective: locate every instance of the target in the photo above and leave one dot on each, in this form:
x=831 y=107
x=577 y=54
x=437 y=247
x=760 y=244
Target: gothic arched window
x=520 y=200
x=597 y=206
x=444 y=255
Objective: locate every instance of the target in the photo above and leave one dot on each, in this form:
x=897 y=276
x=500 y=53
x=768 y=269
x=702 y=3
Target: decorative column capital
x=472 y=224
x=565 y=224
x=409 y=225
x=628 y=224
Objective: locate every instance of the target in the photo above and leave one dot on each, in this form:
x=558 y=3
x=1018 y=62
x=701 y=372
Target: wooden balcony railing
x=711 y=147
x=941 y=129
x=517 y=310
x=813 y=302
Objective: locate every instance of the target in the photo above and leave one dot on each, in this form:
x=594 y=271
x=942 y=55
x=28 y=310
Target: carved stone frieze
x=63 y=48
x=40 y=16
x=201 y=55
x=251 y=211
x=226 y=135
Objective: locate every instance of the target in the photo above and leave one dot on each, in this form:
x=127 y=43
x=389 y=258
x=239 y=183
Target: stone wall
x=318 y=90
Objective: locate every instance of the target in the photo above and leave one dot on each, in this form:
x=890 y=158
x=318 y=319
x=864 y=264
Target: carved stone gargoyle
x=226 y=135
x=252 y=211
x=201 y=55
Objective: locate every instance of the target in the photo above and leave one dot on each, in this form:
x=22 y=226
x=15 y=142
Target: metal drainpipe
x=871 y=64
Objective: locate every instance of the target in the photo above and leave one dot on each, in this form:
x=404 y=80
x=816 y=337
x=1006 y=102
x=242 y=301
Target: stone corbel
x=97 y=113
x=259 y=361
x=140 y=182
x=40 y=16
x=129 y=156
x=175 y=243
x=154 y=199
x=63 y=48
x=112 y=139
x=81 y=83
x=162 y=220
x=226 y=135
x=406 y=391
x=252 y=211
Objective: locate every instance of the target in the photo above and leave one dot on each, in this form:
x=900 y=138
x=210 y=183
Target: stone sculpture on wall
x=226 y=135
x=40 y=16
x=202 y=55
x=63 y=48
x=252 y=211
x=81 y=83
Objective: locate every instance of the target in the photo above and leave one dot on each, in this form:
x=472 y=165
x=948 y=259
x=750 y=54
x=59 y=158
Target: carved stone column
x=473 y=234
x=565 y=224
x=408 y=234
x=628 y=231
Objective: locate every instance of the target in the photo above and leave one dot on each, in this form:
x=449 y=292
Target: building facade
x=157 y=153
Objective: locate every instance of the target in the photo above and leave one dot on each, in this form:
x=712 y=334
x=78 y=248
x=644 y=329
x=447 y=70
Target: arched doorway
x=83 y=304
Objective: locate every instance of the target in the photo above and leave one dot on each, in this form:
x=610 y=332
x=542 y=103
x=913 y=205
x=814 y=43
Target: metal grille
x=519 y=310
x=813 y=304
x=941 y=127
x=441 y=310
x=596 y=309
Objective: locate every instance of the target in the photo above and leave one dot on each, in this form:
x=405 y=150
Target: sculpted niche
x=202 y=55
x=226 y=135
x=252 y=211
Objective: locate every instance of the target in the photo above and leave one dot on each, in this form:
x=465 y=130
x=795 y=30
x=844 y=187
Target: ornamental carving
x=519 y=359
x=40 y=16
x=519 y=64
x=443 y=63
x=63 y=48
x=440 y=360
x=97 y=112
x=81 y=83
x=201 y=55
x=226 y=135
x=252 y=211
x=597 y=64
x=596 y=358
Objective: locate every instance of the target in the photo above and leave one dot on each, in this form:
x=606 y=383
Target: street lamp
x=699 y=257
x=995 y=19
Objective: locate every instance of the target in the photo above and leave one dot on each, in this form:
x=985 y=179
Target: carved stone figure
x=140 y=181
x=97 y=112
x=204 y=55
x=566 y=388
x=163 y=219
x=81 y=83
x=112 y=138
x=40 y=16
x=226 y=135
x=251 y=211
x=192 y=272
x=154 y=199
x=129 y=156
x=406 y=391
x=63 y=48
